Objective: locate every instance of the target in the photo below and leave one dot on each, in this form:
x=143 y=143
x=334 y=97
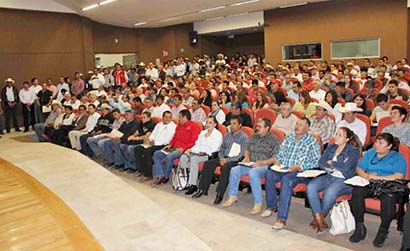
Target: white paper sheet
x=310 y=173
x=281 y=168
x=357 y=181
x=250 y=164
x=115 y=134
x=235 y=150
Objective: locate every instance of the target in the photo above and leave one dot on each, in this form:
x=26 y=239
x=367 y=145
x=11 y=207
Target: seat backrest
x=225 y=109
x=290 y=101
x=399 y=102
x=249 y=112
x=265 y=113
x=341 y=101
x=405 y=151
x=366 y=120
x=222 y=129
x=370 y=104
x=383 y=122
x=206 y=109
x=299 y=114
x=249 y=131
x=319 y=140
x=278 y=133
x=156 y=120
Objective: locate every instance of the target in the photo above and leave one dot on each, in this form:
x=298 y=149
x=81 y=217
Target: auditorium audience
x=176 y=90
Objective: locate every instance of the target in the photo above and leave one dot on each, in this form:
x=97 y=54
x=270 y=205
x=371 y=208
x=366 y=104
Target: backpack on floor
x=179 y=177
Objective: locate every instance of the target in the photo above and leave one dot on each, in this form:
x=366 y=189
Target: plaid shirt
x=240 y=138
x=324 y=128
x=304 y=153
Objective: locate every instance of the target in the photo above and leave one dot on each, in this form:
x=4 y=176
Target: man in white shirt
x=35 y=87
x=96 y=80
x=160 y=108
x=152 y=72
x=350 y=121
x=286 y=120
x=75 y=135
x=316 y=92
x=160 y=137
x=27 y=99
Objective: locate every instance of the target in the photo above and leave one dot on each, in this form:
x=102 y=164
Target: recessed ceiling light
x=106 y=1
x=214 y=8
x=90 y=7
x=141 y=23
x=246 y=2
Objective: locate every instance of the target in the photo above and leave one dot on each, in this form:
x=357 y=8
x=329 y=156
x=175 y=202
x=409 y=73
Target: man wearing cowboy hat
x=321 y=124
x=9 y=96
x=350 y=121
x=39 y=127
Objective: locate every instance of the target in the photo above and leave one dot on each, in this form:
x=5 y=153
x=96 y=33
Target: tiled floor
x=126 y=215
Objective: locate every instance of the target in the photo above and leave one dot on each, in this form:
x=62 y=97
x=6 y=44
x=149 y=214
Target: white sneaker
x=267 y=213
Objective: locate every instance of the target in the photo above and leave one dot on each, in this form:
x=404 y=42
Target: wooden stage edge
x=20 y=213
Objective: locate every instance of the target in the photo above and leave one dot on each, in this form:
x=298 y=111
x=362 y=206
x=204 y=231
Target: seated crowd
x=236 y=118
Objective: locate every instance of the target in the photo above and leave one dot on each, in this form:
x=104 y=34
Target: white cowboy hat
x=350 y=107
x=55 y=102
x=9 y=80
x=106 y=106
x=324 y=105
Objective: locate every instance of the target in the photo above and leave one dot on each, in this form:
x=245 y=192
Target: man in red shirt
x=307 y=81
x=184 y=138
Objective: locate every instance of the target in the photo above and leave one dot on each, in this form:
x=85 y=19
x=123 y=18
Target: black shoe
x=380 y=238
x=131 y=171
x=199 y=194
x=359 y=233
x=17 y=130
x=218 y=199
x=192 y=189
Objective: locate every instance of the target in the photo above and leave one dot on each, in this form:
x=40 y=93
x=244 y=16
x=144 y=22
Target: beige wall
x=339 y=20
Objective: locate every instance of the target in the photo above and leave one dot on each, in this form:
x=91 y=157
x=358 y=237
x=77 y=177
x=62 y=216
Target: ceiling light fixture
x=214 y=8
x=106 y=1
x=141 y=23
x=246 y=2
x=293 y=5
x=90 y=7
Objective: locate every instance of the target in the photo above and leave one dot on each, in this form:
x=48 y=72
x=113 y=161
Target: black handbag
x=389 y=187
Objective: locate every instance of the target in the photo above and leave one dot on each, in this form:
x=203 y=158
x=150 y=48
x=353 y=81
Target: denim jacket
x=346 y=161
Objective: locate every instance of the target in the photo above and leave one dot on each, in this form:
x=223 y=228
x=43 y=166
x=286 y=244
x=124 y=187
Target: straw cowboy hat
x=324 y=105
x=350 y=107
x=9 y=80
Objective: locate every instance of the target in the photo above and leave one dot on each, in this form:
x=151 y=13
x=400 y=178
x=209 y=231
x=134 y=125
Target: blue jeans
x=126 y=155
x=39 y=128
x=255 y=174
x=107 y=149
x=93 y=144
x=332 y=188
x=85 y=148
x=163 y=163
x=288 y=182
